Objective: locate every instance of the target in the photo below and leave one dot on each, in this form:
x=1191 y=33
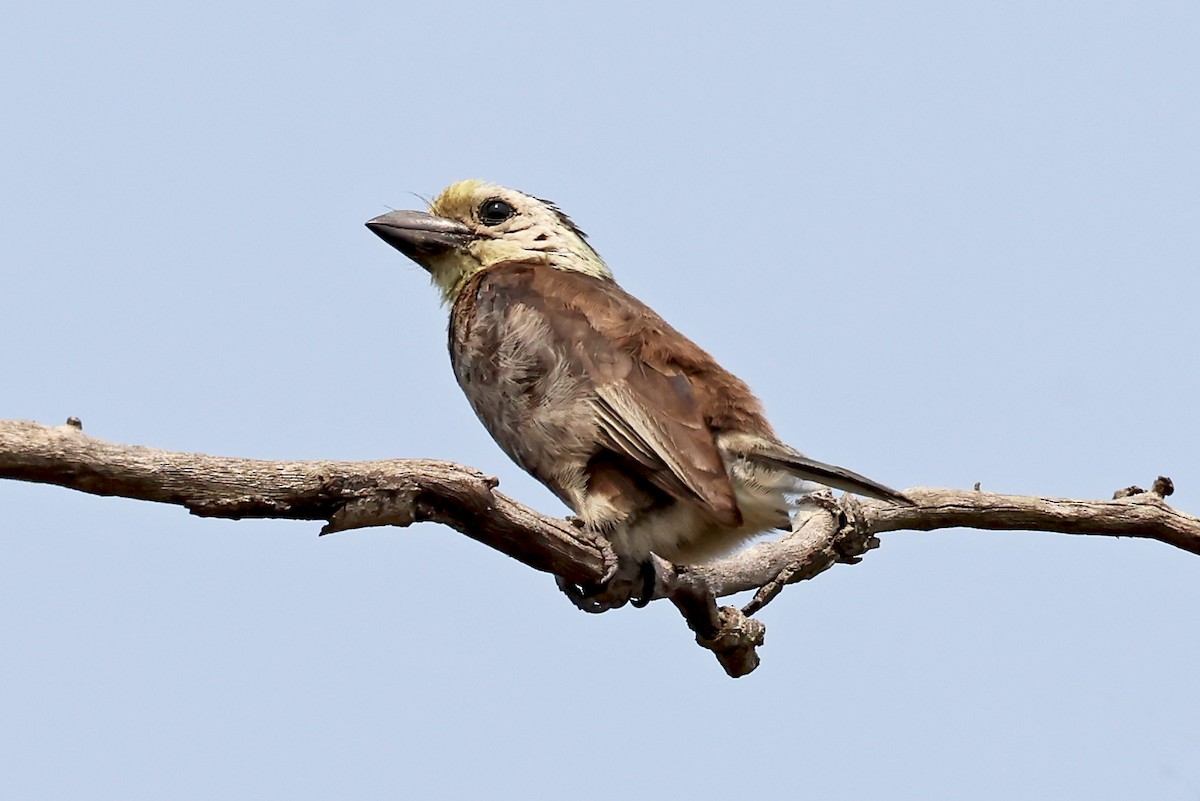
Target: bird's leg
x=633 y=583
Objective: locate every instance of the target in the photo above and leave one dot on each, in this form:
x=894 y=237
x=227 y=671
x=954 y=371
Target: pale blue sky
x=945 y=242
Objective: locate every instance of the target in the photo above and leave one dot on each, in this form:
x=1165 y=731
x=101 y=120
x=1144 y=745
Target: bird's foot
x=633 y=583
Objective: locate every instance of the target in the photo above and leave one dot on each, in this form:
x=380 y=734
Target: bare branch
x=400 y=492
x=827 y=534
x=345 y=494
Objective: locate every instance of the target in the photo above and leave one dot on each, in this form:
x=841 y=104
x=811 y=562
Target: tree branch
x=346 y=495
x=400 y=492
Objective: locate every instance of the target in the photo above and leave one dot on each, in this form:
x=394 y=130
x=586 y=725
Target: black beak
x=419 y=235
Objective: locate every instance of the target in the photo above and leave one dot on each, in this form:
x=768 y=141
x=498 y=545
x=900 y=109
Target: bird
x=651 y=443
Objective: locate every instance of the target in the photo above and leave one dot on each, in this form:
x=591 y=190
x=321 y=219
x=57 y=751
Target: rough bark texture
x=399 y=492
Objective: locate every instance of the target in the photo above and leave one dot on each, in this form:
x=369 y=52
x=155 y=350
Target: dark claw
x=649 y=579
x=633 y=583
x=591 y=597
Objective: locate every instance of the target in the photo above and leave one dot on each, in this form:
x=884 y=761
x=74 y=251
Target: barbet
x=638 y=430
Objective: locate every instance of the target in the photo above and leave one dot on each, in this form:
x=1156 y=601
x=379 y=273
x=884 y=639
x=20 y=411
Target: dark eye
x=495 y=211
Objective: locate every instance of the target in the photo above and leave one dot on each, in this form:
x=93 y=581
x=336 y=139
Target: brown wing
x=642 y=397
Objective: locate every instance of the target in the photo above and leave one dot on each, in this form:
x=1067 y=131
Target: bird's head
x=474 y=225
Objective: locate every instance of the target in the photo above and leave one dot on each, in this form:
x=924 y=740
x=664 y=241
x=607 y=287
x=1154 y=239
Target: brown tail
x=829 y=475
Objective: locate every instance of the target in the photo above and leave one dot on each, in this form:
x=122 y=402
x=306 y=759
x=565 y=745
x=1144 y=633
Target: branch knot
x=735 y=641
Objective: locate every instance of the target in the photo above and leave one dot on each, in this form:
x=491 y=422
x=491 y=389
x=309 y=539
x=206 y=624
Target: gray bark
x=399 y=492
